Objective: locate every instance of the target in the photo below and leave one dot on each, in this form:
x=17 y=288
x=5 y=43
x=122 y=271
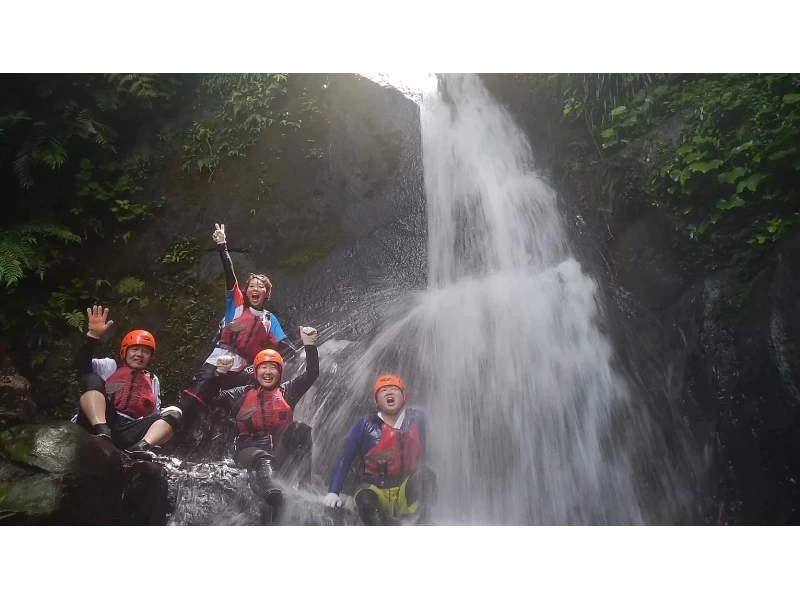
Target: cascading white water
x=520 y=378
x=529 y=423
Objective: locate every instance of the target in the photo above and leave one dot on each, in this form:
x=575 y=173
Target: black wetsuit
x=264 y=453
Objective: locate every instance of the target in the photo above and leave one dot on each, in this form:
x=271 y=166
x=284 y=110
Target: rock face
x=715 y=355
x=372 y=184
x=218 y=493
x=16 y=404
x=58 y=474
x=330 y=231
x=330 y=222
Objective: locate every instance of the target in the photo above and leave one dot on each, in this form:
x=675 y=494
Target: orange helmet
x=388 y=380
x=136 y=337
x=267 y=356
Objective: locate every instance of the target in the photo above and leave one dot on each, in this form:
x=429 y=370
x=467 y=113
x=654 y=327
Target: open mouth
x=390 y=401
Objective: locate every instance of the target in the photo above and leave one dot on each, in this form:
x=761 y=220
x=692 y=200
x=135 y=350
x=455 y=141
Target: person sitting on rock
x=120 y=402
x=269 y=439
x=391 y=443
x=246 y=328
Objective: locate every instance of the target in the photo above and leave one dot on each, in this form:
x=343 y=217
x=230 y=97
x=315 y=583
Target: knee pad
x=94 y=382
x=173 y=416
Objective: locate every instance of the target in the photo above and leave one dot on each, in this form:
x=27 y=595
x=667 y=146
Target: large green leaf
x=705 y=166
x=791 y=98
x=731 y=175
x=618 y=110
x=745 y=146
x=726 y=204
x=782 y=154
x=751 y=182
x=607 y=133
x=694 y=157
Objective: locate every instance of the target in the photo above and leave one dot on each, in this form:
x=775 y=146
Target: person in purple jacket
x=394 y=481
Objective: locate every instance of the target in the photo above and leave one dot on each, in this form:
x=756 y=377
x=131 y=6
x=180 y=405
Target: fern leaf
x=23 y=166
x=54 y=154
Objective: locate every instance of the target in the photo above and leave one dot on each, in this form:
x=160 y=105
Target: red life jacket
x=132 y=391
x=263 y=411
x=397 y=453
x=248 y=334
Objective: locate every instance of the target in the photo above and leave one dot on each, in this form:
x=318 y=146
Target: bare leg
x=93 y=405
x=159 y=432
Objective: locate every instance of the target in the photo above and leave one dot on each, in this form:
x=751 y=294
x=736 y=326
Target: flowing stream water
x=530 y=422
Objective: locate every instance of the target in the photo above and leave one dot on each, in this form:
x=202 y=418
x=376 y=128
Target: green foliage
x=198 y=151
x=309 y=105
x=25 y=249
x=596 y=97
x=301 y=259
x=61 y=138
x=130 y=290
x=185 y=251
x=192 y=312
x=71 y=188
x=243 y=107
x=144 y=87
x=314 y=152
x=48 y=323
x=119 y=188
x=737 y=168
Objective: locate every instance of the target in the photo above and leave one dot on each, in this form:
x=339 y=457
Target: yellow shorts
x=393 y=501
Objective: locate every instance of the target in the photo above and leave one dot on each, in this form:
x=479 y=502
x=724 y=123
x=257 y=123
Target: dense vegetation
x=80 y=156
x=79 y=159
x=736 y=170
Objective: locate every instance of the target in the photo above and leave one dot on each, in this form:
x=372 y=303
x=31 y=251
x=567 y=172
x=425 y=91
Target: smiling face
x=257 y=293
x=268 y=375
x=390 y=400
x=138 y=357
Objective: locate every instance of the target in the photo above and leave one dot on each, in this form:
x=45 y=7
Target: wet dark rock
x=16 y=403
x=58 y=474
x=218 y=493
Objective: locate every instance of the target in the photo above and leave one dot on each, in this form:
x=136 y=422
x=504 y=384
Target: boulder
x=59 y=474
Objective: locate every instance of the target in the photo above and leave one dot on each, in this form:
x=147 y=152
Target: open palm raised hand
x=97 y=317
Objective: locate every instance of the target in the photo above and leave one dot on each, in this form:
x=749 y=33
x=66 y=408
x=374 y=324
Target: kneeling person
x=269 y=440
x=395 y=481
x=121 y=402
